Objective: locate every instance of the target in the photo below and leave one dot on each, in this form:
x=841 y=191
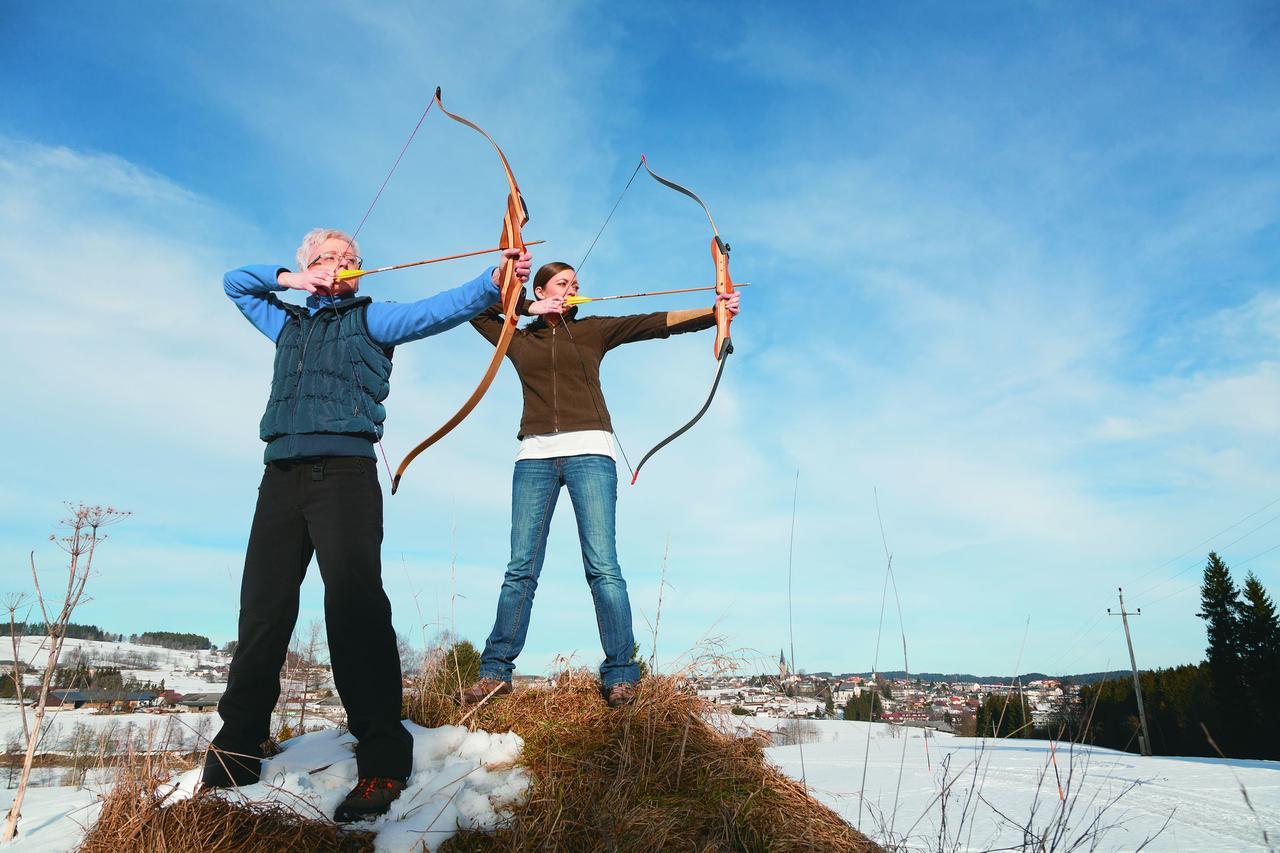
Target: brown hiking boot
x=483 y=689
x=372 y=796
x=621 y=694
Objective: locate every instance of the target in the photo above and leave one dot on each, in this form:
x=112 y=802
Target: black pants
x=330 y=507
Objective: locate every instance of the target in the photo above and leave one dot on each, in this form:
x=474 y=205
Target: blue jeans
x=593 y=489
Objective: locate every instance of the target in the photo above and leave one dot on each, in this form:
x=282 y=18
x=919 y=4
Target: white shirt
x=578 y=442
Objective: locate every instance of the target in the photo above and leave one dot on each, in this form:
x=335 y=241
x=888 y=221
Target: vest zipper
x=555 y=398
x=297 y=388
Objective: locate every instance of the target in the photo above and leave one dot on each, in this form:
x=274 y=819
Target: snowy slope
x=183 y=671
x=1200 y=797
x=180 y=670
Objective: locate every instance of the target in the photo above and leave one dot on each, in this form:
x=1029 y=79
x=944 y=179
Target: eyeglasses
x=350 y=262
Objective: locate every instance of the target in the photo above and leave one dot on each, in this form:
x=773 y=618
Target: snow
x=468 y=779
x=188 y=730
x=153 y=659
x=52 y=818
x=461 y=779
x=1200 y=797
x=184 y=671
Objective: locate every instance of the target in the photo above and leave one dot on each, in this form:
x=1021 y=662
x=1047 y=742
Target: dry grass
x=133 y=819
x=654 y=776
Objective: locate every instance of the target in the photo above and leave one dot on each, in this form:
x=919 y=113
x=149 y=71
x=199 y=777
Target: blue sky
x=1015 y=267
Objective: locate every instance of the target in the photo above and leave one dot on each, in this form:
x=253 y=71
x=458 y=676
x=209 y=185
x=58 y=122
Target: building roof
x=98 y=694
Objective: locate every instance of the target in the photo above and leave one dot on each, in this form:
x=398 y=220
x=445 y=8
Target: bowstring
x=635 y=172
x=576 y=351
x=587 y=381
x=386 y=463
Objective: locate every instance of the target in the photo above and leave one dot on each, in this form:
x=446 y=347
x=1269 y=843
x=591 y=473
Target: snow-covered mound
x=461 y=779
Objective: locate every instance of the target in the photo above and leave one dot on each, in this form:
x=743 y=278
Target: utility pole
x=1144 y=741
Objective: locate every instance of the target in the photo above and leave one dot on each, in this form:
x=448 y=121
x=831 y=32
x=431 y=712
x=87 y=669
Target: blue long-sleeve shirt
x=253 y=289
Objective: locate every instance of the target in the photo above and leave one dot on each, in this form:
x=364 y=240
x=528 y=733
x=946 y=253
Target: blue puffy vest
x=329 y=383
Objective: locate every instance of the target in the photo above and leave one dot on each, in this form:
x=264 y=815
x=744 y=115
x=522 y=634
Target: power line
x=1205 y=542
x=1196 y=564
x=1101 y=612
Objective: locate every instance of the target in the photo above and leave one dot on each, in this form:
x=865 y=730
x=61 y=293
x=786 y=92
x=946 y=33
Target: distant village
x=96 y=683
x=940 y=705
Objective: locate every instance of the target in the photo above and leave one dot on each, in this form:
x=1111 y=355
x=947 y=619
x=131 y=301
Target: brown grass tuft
x=653 y=776
x=133 y=819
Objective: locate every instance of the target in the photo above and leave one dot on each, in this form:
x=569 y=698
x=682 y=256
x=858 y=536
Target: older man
x=320 y=495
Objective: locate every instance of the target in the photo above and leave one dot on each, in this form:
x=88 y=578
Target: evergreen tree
x=1220 y=608
x=1260 y=657
x=1011 y=713
x=1178 y=701
x=865 y=707
x=640 y=662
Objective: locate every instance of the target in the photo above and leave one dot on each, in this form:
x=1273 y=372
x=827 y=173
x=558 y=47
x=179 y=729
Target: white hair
x=316 y=236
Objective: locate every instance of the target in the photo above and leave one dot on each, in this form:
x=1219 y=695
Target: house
x=200 y=701
x=93 y=697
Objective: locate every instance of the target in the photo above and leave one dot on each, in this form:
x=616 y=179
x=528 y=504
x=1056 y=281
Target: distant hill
x=1082 y=678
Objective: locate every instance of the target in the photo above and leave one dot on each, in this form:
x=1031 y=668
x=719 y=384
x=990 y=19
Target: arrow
x=347 y=275
x=578 y=300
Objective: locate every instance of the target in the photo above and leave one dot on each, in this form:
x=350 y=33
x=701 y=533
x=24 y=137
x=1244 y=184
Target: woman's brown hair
x=546 y=272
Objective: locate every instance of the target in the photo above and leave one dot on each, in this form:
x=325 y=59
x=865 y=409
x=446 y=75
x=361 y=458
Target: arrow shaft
x=578 y=300
x=345 y=275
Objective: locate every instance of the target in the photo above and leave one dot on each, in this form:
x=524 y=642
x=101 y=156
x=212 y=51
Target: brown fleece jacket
x=559 y=365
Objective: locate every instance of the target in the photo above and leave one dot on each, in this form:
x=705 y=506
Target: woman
x=566 y=439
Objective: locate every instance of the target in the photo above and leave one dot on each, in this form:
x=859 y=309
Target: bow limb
x=719 y=256
x=723 y=360
x=723 y=345
x=509 y=290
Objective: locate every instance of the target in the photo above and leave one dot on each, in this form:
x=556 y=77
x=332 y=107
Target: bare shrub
x=795 y=731
x=83 y=535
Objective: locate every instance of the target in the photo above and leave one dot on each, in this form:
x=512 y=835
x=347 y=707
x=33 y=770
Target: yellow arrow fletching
x=347 y=275
x=577 y=300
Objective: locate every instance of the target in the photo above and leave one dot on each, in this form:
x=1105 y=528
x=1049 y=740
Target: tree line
x=165 y=639
x=173 y=640
x=73 y=631
x=1234 y=693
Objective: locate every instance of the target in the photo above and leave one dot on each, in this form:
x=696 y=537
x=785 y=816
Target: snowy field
x=179 y=669
x=466 y=779
x=86 y=731
x=184 y=671
x=1199 y=797
x=971 y=795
